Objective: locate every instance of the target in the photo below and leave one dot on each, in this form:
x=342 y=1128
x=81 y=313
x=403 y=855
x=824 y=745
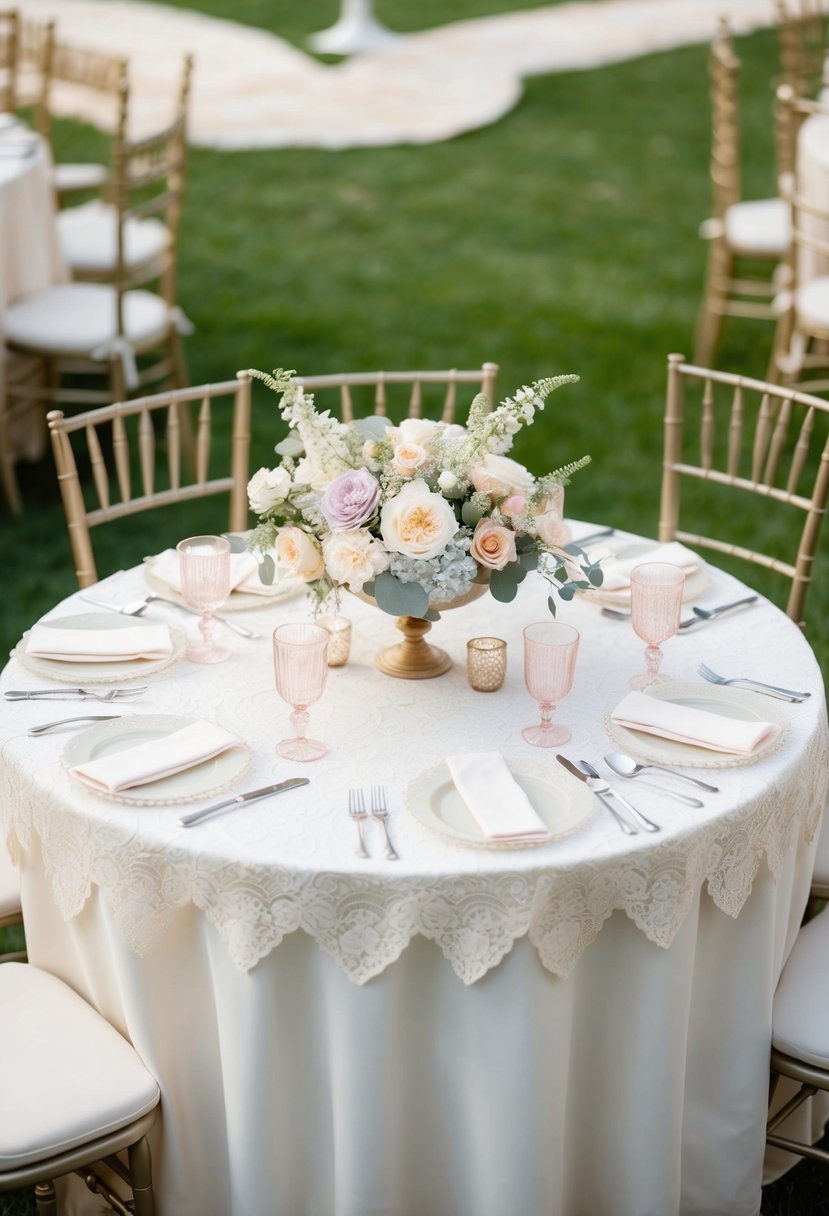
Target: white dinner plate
x=436 y=804
x=715 y=699
x=115 y=672
x=237 y=601
x=108 y=738
x=625 y=549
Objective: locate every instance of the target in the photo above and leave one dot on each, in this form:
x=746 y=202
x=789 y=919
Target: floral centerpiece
x=416 y=514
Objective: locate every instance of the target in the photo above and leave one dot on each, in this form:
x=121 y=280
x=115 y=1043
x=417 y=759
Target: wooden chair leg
x=141 y=1172
x=46 y=1199
x=9 y=477
x=709 y=324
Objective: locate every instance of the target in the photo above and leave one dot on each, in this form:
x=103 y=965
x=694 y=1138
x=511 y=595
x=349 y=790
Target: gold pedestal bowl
x=414 y=658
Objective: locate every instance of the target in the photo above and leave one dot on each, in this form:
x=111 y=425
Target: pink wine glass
x=655 y=605
x=550 y=650
x=204 y=563
x=300 y=664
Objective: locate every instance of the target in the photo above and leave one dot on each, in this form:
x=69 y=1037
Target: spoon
x=624 y=771
x=626 y=766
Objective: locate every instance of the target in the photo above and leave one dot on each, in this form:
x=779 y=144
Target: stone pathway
x=252 y=89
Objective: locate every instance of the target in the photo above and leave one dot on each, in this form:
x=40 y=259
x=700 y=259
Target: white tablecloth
x=578 y=1028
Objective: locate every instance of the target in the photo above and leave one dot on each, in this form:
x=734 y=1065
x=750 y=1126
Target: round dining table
x=575 y=1028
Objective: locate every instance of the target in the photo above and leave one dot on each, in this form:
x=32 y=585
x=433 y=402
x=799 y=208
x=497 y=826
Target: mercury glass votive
x=339 y=647
x=486 y=663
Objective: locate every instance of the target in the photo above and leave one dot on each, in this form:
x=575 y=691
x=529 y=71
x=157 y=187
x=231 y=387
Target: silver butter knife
x=626 y=827
x=187 y=821
x=598 y=785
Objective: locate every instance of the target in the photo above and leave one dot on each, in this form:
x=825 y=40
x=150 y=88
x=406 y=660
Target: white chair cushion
x=89 y=238
x=9 y=884
x=820 y=874
x=68 y=1077
x=71 y=177
x=761 y=227
x=74 y=319
x=812 y=304
x=800 y=1019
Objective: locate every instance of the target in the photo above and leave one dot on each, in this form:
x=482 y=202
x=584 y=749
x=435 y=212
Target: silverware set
x=74 y=694
x=359 y=812
x=699 y=617
x=139 y=607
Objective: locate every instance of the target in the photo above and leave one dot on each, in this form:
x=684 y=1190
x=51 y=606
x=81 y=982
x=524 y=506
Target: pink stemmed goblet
x=656 y=590
x=550 y=650
x=300 y=664
x=205 y=585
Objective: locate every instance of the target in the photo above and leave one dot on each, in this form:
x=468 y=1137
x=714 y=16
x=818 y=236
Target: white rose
x=417 y=523
x=421 y=431
x=500 y=477
x=447 y=480
x=297 y=554
x=407 y=458
x=266 y=488
x=354 y=557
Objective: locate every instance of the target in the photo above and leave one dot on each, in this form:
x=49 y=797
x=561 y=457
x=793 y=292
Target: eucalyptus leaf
x=267 y=570
x=400 y=599
x=503 y=584
x=374 y=427
x=470 y=514
x=551 y=604
x=567 y=591
x=528 y=560
x=238 y=544
x=595 y=576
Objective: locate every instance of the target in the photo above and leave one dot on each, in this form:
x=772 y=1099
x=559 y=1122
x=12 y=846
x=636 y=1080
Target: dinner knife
x=267 y=791
x=592 y=783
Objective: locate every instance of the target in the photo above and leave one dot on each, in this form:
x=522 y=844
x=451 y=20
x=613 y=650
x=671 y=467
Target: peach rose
x=493 y=545
x=407 y=458
x=549 y=521
x=297 y=554
x=417 y=523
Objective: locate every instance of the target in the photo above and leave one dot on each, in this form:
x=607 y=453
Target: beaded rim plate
x=115 y=672
x=210 y=777
x=696 y=580
x=729 y=702
x=435 y=803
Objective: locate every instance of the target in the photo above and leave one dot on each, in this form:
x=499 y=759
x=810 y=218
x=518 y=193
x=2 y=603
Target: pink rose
x=350 y=500
x=297 y=554
x=493 y=545
x=513 y=505
x=549 y=521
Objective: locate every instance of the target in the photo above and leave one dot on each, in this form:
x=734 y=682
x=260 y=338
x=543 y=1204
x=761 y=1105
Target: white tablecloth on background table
x=580 y=1028
x=813 y=186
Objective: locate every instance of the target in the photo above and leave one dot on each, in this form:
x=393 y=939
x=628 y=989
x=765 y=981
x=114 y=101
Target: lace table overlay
x=269 y=870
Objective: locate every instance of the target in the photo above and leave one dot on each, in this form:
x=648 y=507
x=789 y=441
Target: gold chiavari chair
x=801 y=38
x=22 y=420
x=728 y=436
x=9 y=51
x=800 y=344
x=11 y=913
x=747 y=239
x=129 y=480
x=87 y=327
x=75 y=1094
x=62 y=68
x=434 y=392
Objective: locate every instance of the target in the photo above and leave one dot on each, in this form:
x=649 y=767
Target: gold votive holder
x=339 y=645
x=486 y=663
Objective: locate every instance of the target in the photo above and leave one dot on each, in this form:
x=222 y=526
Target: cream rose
x=297 y=554
x=493 y=545
x=266 y=488
x=501 y=477
x=354 y=557
x=417 y=523
x=421 y=431
x=407 y=458
x=549 y=521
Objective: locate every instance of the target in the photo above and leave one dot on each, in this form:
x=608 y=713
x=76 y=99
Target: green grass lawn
x=562 y=239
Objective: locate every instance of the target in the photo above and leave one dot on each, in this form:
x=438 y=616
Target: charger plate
x=435 y=803
x=625 y=549
x=115 y=672
x=237 y=601
x=715 y=699
x=108 y=738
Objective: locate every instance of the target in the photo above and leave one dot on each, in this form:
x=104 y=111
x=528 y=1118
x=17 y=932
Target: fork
x=138 y=607
x=47 y=726
x=357 y=811
x=66 y=694
x=378 y=811
x=771 y=690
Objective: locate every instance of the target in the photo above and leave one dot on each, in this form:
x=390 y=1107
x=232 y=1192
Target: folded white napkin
x=52 y=641
x=685 y=724
x=493 y=797
x=244 y=573
x=193 y=744
x=617 y=570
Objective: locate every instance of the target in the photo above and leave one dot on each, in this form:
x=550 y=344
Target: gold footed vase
x=414 y=658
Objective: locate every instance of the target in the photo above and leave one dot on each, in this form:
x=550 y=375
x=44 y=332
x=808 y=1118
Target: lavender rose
x=350 y=500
